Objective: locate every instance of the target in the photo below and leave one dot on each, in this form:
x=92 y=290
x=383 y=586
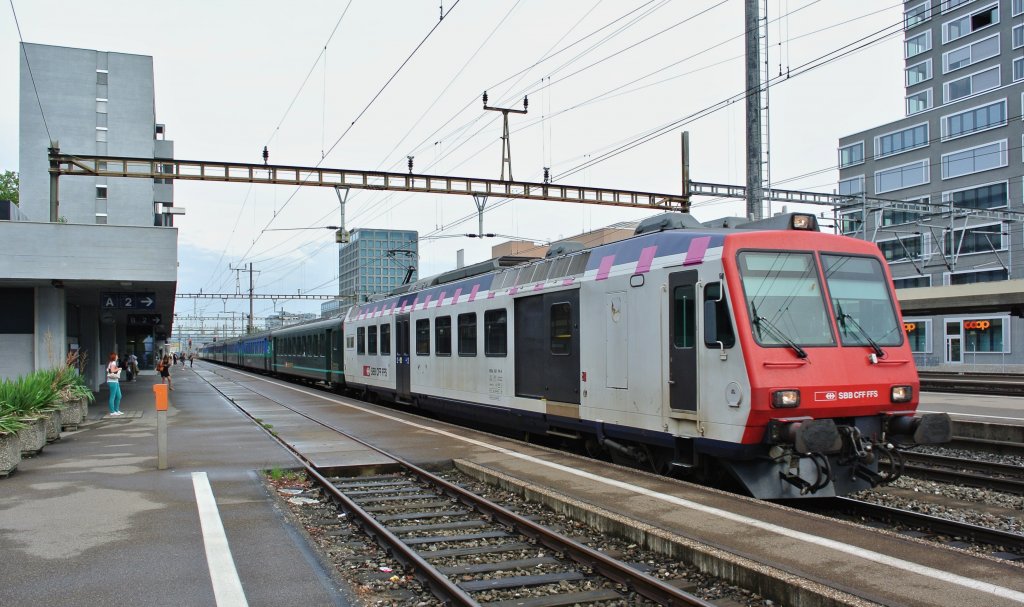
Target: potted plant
x=30 y=399
x=10 y=445
x=71 y=386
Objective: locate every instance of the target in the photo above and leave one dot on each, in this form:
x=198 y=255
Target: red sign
x=982 y=325
x=366 y=370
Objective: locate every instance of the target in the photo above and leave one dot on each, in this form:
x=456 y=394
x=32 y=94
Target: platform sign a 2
x=127 y=301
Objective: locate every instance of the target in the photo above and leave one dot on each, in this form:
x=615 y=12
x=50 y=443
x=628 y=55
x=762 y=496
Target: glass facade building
x=376 y=261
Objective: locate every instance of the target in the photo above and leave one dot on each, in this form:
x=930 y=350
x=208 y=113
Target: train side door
x=682 y=341
x=402 y=369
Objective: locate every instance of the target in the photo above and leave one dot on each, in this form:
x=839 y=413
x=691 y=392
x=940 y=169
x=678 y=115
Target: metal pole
x=685 y=141
x=54 y=182
x=481 y=201
x=161 y=440
x=249 y=330
x=753 y=69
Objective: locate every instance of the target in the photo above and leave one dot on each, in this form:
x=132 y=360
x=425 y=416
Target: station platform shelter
x=91 y=289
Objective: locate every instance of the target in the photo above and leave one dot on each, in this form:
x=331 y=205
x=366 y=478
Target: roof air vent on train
x=667 y=221
x=563 y=248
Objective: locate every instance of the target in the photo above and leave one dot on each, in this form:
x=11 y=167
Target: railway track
x=1006 y=545
x=469 y=550
x=970 y=472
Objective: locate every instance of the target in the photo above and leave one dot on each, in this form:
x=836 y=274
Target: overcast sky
x=226 y=73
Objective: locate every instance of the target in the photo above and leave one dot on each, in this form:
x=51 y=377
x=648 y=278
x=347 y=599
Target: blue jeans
x=115 y=396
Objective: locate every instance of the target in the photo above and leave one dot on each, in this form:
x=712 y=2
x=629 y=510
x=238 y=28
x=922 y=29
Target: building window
x=919 y=102
x=443 y=336
x=101 y=219
x=903 y=176
x=892 y=218
x=467 y=334
x=423 y=337
x=992 y=196
x=1018 y=7
x=970 y=54
x=101 y=76
x=1018 y=69
x=853 y=186
x=974 y=160
x=981 y=239
x=918 y=44
x=851 y=154
x=918 y=73
x=101 y=192
x=904 y=249
x=495 y=333
x=948 y=5
x=971 y=85
x=101 y=106
x=901 y=141
x=916 y=15
x=970 y=23
x=360 y=340
x=1018 y=35
x=385 y=339
x=852 y=222
x=984 y=335
x=914 y=282
x=101 y=134
x=970 y=278
x=918 y=332
x=974 y=120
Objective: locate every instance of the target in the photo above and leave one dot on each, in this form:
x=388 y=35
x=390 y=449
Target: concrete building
x=103 y=278
x=376 y=261
x=958 y=145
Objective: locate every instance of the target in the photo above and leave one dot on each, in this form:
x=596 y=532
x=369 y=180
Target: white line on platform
x=856 y=551
x=227 y=588
x=1014 y=419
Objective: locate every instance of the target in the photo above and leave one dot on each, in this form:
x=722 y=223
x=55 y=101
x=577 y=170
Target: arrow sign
x=147 y=302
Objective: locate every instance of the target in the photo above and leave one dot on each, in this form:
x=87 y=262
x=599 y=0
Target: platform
x=91 y=521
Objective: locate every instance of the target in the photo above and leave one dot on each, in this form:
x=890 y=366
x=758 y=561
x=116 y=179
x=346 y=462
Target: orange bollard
x=161 y=396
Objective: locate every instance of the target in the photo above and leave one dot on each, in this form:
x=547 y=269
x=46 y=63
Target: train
x=764 y=354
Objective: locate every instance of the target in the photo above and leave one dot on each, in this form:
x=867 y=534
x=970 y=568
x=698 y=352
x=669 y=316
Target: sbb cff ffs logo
x=977 y=324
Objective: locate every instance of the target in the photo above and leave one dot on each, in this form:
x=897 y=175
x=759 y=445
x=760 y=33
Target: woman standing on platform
x=113 y=383
x=165 y=371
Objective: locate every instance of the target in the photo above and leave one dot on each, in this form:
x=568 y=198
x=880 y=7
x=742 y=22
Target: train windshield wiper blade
x=761 y=321
x=843 y=317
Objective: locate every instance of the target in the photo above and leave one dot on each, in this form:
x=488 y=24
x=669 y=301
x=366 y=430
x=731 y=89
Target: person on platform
x=126 y=365
x=164 y=368
x=113 y=383
x=191 y=359
x=133 y=364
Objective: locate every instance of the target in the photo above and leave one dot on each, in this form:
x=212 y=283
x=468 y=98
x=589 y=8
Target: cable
x=31 y=76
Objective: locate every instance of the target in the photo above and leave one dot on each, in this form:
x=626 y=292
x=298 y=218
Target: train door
x=335 y=361
x=402 y=370
x=954 y=341
x=682 y=341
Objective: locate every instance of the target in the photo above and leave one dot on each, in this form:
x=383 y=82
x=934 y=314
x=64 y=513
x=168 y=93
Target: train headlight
x=785 y=399
x=901 y=394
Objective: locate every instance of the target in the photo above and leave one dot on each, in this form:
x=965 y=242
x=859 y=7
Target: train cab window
x=561 y=329
x=496 y=333
x=443 y=336
x=423 y=337
x=385 y=339
x=684 y=315
x=467 y=334
x=723 y=333
x=350 y=342
x=371 y=340
x=360 y=340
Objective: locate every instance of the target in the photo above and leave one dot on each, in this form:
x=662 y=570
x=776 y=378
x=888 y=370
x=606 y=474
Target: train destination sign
x=127 y=301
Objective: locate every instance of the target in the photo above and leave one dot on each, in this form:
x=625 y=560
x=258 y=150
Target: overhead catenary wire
x=31 y=76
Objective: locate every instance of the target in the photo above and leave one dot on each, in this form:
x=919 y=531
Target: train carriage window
x=385 y=339
x=496 y=333
x=723 y=322
x=360 y=340
x=561 y=329
x=683 y=311
x=423 y=337
x=467 y=334
x=350 y=342
x=371 y=339
x=443 y=335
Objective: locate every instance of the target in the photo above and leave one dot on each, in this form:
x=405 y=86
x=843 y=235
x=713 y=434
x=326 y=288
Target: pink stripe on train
x=698 y=247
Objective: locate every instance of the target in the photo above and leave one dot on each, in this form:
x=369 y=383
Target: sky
x=365 y=84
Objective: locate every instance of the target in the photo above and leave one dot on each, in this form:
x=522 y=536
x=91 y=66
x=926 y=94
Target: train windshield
x=861 y=302
x=785 y=299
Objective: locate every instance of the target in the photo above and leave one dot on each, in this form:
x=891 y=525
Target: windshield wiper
x=842 y=317
x=760 y=321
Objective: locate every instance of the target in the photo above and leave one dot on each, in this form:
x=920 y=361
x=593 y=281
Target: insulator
x=526 y=102
x=485 y=97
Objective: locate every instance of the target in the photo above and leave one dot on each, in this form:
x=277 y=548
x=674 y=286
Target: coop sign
x=910 y=327
x=978 y=325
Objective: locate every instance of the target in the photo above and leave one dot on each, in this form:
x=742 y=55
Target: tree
x=9 y=186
